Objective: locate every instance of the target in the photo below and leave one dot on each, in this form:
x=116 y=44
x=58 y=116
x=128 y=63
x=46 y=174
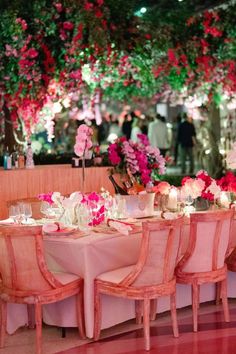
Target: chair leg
x=63 y=332
x=198 y=297
x=31 y=319
x=174 y=315
x=225 y=299
x=146 y=323
x=80 y=314
x=218 y=293
x=3 y=321
x=195 y=291
x=97 y=313
x=138 y=311
x=153 y=309
x=38 y=321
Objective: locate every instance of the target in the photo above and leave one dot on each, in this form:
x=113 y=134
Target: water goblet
x=83 y=216
x=188 y=200
x=27 y=210
x=14 y=213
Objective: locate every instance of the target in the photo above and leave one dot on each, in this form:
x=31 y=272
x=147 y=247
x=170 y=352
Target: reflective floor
x=214 y=336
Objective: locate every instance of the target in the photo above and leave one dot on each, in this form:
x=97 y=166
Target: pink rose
x=163 y=187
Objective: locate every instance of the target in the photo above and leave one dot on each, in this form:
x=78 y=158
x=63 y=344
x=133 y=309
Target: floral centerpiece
x=138 y=161
x=138 y=164
x=78 y=208
x=203 y=190
x=202 y=186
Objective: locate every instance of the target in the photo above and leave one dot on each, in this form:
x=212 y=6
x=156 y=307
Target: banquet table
x=93 y=254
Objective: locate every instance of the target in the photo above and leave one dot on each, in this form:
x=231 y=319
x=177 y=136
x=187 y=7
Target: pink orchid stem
x=83 y=173
x=83 y=168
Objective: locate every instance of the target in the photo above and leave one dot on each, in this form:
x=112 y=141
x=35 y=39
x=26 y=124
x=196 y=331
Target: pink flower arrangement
x=83 y=140
x=228 y=182
x=202 y=186
x=46 y=197
x=139 y=159
x=95 y=202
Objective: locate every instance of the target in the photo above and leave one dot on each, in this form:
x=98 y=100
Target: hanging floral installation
x=70 y=55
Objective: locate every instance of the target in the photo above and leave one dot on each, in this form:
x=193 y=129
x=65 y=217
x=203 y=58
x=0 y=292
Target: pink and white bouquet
x=140 y=159
x=202 y=186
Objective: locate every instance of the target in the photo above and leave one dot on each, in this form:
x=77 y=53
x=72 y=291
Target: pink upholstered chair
x=151 y=277
x=26 y=279
x=204 y=260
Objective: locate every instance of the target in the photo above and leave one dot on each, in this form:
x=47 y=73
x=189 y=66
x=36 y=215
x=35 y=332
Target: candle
x=224 y=200
x=172 y=200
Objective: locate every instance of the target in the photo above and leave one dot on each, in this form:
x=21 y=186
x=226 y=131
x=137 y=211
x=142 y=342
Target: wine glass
x=188 y=200
x=14 y=213
x=83 y=216
x=27 y=212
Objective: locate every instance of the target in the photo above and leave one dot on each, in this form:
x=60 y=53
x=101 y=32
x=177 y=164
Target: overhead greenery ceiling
x=102 y=46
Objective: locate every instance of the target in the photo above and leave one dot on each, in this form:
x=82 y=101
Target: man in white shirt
x=158 y=134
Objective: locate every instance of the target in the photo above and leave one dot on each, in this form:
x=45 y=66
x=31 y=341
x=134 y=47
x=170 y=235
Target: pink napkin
x=120 y=226
x=51 y=227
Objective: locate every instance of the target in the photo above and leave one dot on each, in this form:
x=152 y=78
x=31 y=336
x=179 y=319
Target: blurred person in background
x=187 y=140
x=175 y=142
x=158 y=134
x=136 y=129
x=127 y=124
x=114 y=129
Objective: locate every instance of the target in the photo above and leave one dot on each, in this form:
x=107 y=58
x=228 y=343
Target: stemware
x=26 y=212
x=14 y=213
x=83 y=217
x=188 y=200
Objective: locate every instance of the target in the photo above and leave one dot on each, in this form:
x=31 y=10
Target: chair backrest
x=22 y=264
x=158 y=253
x=35 y=205
x=210 y=234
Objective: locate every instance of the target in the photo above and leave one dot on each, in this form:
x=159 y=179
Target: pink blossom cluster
x=46 y=197
x=83 y=140
x=95 y=203
x=202 y=186
x=139 y=159
x=130 y=157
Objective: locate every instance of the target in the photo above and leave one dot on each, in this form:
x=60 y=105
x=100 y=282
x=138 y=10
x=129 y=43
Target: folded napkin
x=121 y=226
x=7 y=221
x=51 y=227
x=170 y=215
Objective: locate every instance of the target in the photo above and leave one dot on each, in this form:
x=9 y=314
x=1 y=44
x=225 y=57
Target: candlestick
x=224 y=200
x=172 y=200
